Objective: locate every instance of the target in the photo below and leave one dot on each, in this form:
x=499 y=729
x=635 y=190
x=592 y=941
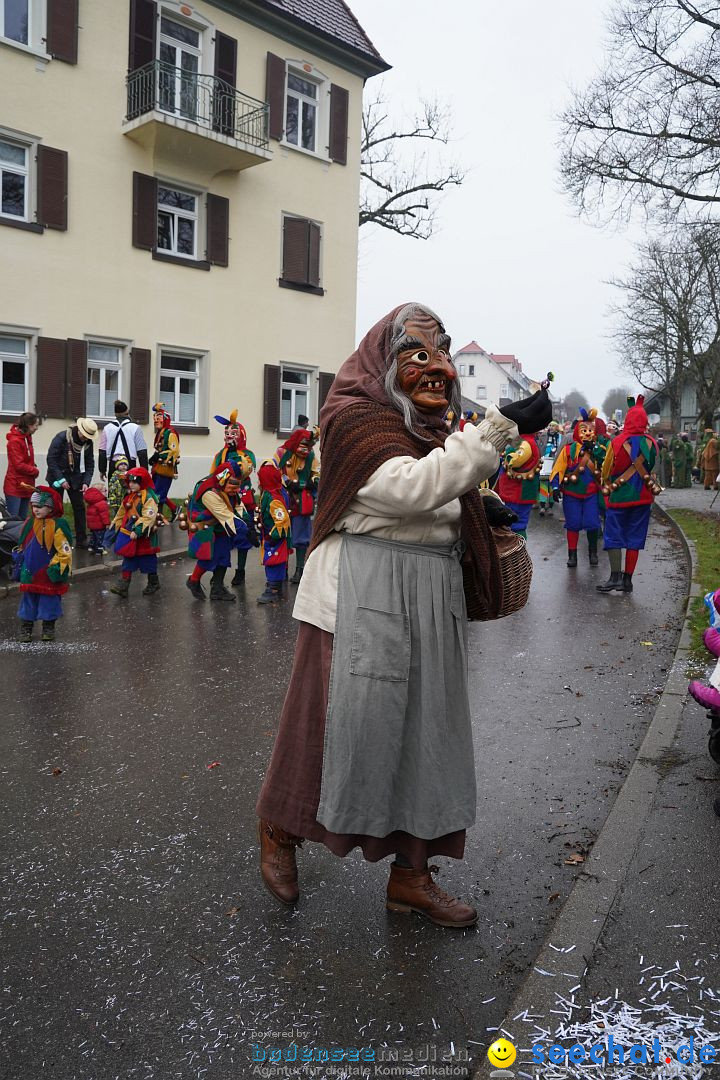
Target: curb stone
x=586 y=910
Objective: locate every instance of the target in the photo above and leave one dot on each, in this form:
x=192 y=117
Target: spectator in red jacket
x=97 y=513
x=21 y=468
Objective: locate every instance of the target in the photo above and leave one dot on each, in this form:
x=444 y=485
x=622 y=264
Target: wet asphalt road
x=137 y=938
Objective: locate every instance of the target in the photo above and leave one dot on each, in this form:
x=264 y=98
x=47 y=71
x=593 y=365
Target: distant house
x=496 y=377
x=658 y=402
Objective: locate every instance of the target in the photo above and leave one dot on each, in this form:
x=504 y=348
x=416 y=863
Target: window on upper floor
x=302 y=97
x=504 y=391
x=180 y=55
x=461 y=369
x=104 y=379
x=14 y=180
x=177 y=222
x=33 y=183
x=48 y=28
x=306 y=111
x=14 y=374
x=295 y=390
x=471 y=369
x=301 y=254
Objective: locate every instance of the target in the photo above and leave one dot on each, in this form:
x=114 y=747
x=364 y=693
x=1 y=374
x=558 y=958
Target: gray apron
x=398 y=751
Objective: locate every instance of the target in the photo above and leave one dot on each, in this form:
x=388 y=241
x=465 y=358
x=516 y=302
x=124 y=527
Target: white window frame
x=307 y=71
x=481 y=396
x=461 y=369
x=28 y=145
x=103 y=366
x=177 y=213
x=200 y=377
x=310 y=387
x=16 y=358
x=505 y=391
x=37 y=29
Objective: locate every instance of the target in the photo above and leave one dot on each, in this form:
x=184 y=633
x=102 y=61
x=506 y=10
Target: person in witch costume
x=216 y=524
x=136 y=524
x=629 y=485
x=576 y=473
x=45 y=559
x=297 y=462
x=374 y=747
x=235 y=446
x=519 y=482
x=165 y=458
x=275 y=531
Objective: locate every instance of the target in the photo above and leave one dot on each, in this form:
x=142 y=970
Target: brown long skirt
x=291 y=792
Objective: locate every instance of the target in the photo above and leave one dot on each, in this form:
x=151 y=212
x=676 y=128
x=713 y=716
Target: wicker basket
x=516 y=570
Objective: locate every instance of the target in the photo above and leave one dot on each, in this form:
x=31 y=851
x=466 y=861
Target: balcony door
x=180 y=55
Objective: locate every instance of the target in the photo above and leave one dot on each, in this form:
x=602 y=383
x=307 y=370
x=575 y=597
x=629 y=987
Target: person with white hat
x=70 y=467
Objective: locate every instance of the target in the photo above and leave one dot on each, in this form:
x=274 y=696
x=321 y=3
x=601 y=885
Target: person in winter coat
x=97 y=513
x=70 y=467
x=711 y=462
x=21 y=468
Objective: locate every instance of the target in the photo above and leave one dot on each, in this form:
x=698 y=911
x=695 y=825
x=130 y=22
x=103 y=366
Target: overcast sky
x=511 y=265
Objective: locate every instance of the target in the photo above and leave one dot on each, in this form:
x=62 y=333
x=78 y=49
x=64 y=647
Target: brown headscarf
x=360 y=430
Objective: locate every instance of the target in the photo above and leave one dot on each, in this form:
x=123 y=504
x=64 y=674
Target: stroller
x=10 y=530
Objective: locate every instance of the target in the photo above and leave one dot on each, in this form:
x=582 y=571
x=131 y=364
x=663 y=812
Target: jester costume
x=576 y=473
x=297 y=462
x=275 y=531
x=235 y=445
x=546 y=500
x=630 y=487
x=216 y=525
x=45 y=559
x=135 y=523
x=519 y=482
x=164 y=461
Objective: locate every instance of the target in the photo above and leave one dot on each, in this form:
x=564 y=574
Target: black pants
x=78 y=504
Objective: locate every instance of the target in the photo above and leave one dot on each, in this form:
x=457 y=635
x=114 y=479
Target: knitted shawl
x=356 y=442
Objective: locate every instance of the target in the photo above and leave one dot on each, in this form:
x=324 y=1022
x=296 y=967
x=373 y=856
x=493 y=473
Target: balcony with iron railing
x=177 y=112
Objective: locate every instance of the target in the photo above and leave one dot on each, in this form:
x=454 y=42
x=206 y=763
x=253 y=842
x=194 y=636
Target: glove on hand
x=497 y=513
x=532 y=414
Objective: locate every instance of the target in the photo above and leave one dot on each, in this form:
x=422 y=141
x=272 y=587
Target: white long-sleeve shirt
x=416 y=501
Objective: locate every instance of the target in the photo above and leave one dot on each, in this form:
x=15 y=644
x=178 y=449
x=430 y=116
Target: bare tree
x=668 y=326
x=403 y=169
x=574 y=401
x=646 y=130
x=616 y=398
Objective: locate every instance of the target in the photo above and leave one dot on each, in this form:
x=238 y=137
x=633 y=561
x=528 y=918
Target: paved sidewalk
x=692 y=498
x=635 y=949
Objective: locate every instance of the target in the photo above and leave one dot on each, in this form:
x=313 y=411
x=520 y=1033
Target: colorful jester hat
x=235 y=434
x=140 y=476
x=231 y=472
x=270 y=478
x=585 y=429
x=636 y=419
x=160 y=410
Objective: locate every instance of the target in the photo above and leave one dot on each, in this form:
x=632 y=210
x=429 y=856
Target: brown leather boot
x=414 y=890
x=277 y=861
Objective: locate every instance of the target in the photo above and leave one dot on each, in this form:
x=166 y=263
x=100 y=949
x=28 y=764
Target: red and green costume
x=275 y=530
x=519 y=482
x=577 y=474
x=45 y=560
x=233 y=450
x=166 y=456
x=136 y=523
x=302 y=475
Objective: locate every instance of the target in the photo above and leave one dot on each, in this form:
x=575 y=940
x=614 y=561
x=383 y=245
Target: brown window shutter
x=52 y=184
x=275 y=94
x=140 y=385
x=218 y=227
x=313 y=253
x=51 y=380
x=143 y=33
x=295 y=250
x=62 y=30
x=327 y=378
x=339 y=99
x=144 y=223
x=76 y=377
x=225 y=70
x=271 y=398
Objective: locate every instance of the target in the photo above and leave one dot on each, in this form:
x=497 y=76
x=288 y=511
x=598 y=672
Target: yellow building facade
x=179 y=212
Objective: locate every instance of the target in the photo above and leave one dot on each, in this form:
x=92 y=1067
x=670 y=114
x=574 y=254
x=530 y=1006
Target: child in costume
x=117 y=486
x=45 y=560
x=546 y=498
x=297 y=462
x=215 y=524
x=164 y=461
x=630 y=487
x=235 y=445
x=136 y=523
x=519 y=482
x=576 y=473
x=275 y=531
x=97 y=516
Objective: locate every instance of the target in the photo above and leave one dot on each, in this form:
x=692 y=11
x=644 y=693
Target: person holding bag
x=374 y=748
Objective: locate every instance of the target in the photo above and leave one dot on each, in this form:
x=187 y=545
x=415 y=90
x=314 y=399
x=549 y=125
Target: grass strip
x=704 y=531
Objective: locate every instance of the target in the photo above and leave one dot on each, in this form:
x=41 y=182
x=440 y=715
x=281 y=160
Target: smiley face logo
x=502 y=1053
